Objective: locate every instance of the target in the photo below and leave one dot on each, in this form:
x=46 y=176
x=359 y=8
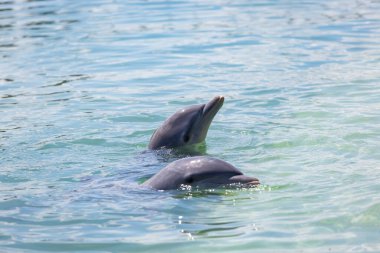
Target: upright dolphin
x=200 y=171
x=186 y=126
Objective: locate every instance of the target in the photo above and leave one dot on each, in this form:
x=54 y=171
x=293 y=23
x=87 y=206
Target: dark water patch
x=216 y=232
x=75 y=77
x=6 y=9
x=357 y=49
x=9 y=129
x=59 y=100
x=8 y=79
x=36 y=36
x=11 y=204
x=69 y=21
x=5 y=26
x=54 y=93
x=12 y=96
x=47 y=13
x=5 y=237
x=57 y=84
x=8 y=45
x=6 y=2
x=40 y=23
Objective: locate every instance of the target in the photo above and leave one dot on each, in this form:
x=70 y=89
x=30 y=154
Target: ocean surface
x=83 y=85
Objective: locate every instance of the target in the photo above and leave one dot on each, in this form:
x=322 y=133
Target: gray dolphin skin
x=202 y=171
x=186 y=126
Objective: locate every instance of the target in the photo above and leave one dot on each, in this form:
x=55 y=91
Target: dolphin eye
x=186 y=138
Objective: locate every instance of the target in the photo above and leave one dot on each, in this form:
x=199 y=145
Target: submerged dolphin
x=200 y=171
x=186 y=126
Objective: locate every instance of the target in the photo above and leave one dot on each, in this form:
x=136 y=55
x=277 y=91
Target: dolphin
x=201 y=171
x=187 y=126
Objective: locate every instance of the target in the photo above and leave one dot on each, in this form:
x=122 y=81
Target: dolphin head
x=203 y=171
x=187 y=126
x=199 y=171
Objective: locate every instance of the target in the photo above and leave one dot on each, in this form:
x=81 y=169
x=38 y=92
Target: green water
x=83 y=85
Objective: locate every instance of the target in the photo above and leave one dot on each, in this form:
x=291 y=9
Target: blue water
x=83 y=85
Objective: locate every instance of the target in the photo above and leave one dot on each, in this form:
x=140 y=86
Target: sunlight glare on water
x=83 y=85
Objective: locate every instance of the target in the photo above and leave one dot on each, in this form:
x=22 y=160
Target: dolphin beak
x=211 y=108
x=208 y=112
x=254 y=182
x=245 y=180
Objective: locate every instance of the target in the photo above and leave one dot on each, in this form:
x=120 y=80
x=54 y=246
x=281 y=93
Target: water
x=83 y=84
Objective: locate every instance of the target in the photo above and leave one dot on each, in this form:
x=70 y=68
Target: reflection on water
x=83 y=84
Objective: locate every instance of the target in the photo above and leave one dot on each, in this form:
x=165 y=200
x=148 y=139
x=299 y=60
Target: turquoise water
x=83 y=85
